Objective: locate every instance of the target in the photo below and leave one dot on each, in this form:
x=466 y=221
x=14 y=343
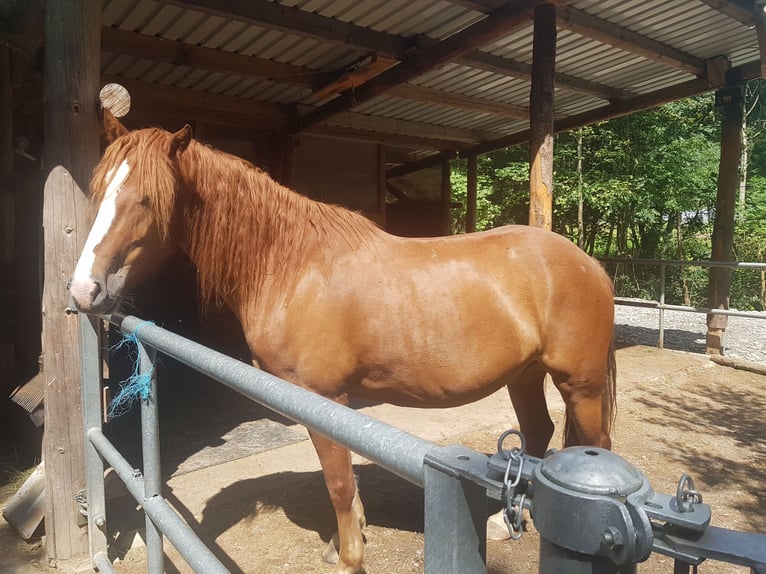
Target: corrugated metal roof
x=604 y=58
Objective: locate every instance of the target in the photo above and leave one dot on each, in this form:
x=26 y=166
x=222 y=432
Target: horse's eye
x=144 y=201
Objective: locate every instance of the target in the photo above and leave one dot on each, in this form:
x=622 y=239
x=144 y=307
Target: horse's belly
x=440 y=378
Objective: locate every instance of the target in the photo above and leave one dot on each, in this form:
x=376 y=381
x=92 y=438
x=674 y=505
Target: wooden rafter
x=741 y=11
x=275 y=16
x=409 y=128
x=461 y=101
x=414 y=142
x=425 y=163
x=523 y=71
x=228 y=110
x=183 y=54
x=582 y=23
x=617 y=109
x=495 y=25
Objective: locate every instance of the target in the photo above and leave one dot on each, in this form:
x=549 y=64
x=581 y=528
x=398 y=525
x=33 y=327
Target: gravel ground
x=745 y=338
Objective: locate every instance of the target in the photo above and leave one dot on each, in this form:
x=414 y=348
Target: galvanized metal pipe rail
x=455 y=542
x=661 y=306
x=391 y=448
x=456 y=480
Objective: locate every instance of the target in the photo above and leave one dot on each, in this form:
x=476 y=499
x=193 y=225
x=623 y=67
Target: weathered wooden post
x=541 y=117
x=472 y=189
x=731 y=102
x=7 y=224
x=446 y=198
x=71 y=84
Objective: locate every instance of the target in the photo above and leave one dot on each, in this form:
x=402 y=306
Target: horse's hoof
x=496 y=528
x=330 y=553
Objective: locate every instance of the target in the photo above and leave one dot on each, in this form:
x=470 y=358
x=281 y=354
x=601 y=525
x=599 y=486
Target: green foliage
x=648 y=185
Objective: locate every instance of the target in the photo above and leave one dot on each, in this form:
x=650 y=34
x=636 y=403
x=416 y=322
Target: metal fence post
x=150 y=441
x=455 y=513
x=94 y=464
x=661 y=342
x=587 y=507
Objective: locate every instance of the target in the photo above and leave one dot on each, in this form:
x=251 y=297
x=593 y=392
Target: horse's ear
x=180 y=140
x=111 y=127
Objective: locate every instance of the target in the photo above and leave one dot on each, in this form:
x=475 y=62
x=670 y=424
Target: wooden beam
x=213 y=108
x=584 y=24
x=71 y=84
x=425 y=163
x=483 y=6
x=182 y=54
x=396 y=192
x=459 y=101
x=351 y=77
x=620 y=108
x=499 y=23
x=409 y=128
x=541 y=118
x=523 y=71
x=741 y=11
x=391 y=139
x=275 y=16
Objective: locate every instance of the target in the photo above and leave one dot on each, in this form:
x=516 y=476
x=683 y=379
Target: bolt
x=60 y=450
x=99 y=520
x=612 y=538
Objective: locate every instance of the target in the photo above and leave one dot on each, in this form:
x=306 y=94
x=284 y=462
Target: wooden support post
x=723 y=227
x=470 y=201
x=71 y=84
x=446 y=198
x=7 y=229
x=541 y=117
x=380 y=218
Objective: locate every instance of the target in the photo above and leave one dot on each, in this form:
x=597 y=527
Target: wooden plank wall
x=7 y=231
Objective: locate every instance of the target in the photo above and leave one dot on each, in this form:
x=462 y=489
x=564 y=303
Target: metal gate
x=595 y=512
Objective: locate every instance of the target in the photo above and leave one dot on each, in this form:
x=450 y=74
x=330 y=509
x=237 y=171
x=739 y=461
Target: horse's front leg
x=341 y=485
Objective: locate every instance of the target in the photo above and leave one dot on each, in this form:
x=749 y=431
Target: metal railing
x=660 y=304
x=403 y=454
x=616 y=526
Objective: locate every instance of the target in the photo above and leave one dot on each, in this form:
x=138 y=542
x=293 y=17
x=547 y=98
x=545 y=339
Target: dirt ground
x=677 y=413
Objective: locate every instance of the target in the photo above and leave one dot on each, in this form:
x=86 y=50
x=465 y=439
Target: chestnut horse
x=330 y=302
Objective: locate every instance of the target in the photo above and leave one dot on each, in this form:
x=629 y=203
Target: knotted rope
x=136 y=386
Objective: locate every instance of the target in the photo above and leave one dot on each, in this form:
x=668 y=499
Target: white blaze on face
x=104 y=218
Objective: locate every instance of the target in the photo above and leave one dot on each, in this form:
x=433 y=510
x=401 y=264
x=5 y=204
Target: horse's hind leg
x=341 y=485
x=582 y=394
x=528 y=397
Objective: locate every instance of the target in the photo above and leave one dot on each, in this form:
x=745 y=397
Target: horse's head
x=135 y=185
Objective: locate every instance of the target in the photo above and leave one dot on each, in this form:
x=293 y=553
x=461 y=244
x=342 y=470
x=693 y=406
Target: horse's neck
x=244 y=241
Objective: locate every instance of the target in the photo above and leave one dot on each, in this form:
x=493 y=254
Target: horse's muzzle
x=97 y=296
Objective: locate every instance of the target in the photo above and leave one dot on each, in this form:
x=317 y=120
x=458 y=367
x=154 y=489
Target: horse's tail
x=608 y=400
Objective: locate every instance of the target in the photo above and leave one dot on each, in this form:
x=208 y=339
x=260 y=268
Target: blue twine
x=136 y=386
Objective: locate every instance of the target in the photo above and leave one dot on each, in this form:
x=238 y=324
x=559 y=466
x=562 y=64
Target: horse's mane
x=241 y=227
x=150 y=166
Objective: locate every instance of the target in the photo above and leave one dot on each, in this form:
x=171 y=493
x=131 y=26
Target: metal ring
x=686 y=495
x=520 y=449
